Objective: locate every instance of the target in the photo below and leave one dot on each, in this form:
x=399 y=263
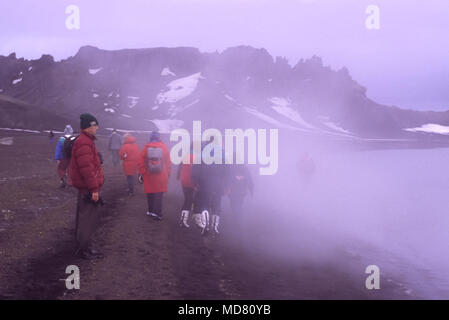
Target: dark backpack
x=68 y=146
x=154 y=155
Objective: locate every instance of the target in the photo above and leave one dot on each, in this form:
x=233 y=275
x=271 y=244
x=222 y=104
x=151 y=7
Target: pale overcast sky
x=405 y=62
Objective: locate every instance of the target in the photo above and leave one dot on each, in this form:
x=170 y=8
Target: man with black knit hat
x=87 y=176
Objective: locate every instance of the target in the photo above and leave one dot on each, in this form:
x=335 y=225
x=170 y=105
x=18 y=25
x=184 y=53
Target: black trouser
x=115 y=157
x=130 y=180
x=155 y=202
x=207 y=200
x=87 y=219
x=236 y=201
x=188 y=198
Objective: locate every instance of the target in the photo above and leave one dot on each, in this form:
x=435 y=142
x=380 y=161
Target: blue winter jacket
x=59 y=154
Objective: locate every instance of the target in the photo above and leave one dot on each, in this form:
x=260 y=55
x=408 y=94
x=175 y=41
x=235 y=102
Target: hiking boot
x=184 y=219
x=156 y=216
x=215 y=223
x=198 y=220
x=205 y=221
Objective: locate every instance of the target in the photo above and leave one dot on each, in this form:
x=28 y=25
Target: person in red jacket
x=87 y=176
x=155 y=166
x=129 y=153
x=185 y=175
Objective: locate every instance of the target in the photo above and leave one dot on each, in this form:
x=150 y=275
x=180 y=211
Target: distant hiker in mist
x=51 y=135
x=114 y=145
x=129 y=153
x=155 y=166
x=61 y=157
x=185 y=176
x=240 y=184
x=87 y=176
x=211 y=182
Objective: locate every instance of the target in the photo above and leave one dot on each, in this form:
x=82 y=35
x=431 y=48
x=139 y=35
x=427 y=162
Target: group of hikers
x=203 y=185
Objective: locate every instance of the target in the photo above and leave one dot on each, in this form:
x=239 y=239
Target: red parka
x=85 y=166
x=155 y=182
x=185 y=173
x=129 y=153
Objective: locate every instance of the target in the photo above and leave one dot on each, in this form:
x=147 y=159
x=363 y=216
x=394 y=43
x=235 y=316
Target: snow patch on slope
x=94 y=71
x=21 y=130
x=166 y=72
x=229 y=98
x=282 y=106
x=335 y=127
x=431 y=128
x=8 y=141
x=269 y=119
x=263 y=116
x=179 y=89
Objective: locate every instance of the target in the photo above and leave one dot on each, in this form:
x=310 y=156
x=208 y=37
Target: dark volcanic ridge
x=166 y=88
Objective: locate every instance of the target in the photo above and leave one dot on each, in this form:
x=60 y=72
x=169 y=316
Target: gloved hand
x=95 y=196
x=140 y=178
x=89 y=198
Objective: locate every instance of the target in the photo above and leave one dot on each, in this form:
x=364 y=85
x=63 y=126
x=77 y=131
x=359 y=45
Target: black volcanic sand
x=144 y=259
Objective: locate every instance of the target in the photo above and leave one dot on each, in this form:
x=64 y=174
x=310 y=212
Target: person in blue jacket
x=62 y=162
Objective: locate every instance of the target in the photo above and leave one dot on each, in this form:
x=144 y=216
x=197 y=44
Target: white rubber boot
x=199 y=220
x=205 y=221
x=215 y=223
x=184 y=218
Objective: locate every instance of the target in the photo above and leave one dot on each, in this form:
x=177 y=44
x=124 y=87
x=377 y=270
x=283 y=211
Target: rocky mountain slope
x=165 y=88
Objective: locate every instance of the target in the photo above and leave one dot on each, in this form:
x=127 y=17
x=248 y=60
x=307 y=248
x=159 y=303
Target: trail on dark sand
x=144 y=258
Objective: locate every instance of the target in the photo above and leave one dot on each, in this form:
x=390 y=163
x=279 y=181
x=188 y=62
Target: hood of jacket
x=130 y=139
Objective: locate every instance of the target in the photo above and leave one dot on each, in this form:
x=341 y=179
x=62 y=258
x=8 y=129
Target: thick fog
x=387 y=207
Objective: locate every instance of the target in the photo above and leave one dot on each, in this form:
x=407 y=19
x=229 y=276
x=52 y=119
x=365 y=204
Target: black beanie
x=86 y=119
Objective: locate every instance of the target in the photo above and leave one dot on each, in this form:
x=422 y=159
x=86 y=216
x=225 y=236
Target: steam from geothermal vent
x=386 y=207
